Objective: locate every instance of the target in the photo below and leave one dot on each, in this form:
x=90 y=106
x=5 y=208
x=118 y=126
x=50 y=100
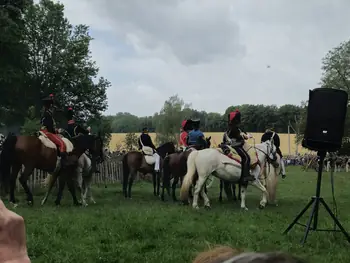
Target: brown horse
x=175 y=166
x=135 y=161
x=30 y=152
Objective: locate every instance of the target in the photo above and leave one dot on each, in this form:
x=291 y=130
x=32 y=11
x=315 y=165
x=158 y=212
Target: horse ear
x=209 y=138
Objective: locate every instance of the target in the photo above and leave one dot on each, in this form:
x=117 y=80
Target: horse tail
x=188 y=179
x=6 y=158
x=271 y=181
x=125 y=171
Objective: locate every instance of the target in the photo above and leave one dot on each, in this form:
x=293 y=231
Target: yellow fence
x=118 y=141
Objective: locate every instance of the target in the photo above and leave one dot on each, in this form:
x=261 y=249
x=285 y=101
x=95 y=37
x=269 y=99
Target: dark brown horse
x=175 y=166
x=30 y=152
x=135 y=161
x=230 y=191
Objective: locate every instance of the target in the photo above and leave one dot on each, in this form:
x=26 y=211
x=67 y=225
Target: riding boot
x=245 y=175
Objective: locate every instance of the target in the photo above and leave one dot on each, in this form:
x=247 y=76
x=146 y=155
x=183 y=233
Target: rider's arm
x=47 y=121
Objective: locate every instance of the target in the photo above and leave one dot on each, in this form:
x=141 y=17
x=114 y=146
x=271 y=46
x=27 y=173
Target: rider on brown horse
x=235 y=138
x=270 y=133
x=48 y=127
x=74 y=129
x=146 y=140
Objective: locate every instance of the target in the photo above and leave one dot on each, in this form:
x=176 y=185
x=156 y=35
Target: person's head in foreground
x=225 y=254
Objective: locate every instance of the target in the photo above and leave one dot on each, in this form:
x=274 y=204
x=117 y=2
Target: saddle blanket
x=48 y=143
x=148 y=154
x=235 y=156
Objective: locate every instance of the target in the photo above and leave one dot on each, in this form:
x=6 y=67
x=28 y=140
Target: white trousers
x=157 y=164
x=283 y=167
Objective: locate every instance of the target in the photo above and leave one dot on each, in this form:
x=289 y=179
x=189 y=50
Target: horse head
x=93 y=143
x=208 y=142
x=166 y=148
x=271 y=152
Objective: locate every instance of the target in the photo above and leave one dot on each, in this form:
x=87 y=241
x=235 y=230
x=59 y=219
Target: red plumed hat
x=234 y=115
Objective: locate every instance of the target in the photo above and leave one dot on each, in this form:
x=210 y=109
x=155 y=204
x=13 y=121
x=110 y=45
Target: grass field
x=146 y=230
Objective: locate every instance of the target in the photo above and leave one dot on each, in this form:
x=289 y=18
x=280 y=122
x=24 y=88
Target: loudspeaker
x=325 y=121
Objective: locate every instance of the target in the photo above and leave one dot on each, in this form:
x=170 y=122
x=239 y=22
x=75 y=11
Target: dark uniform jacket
x=146 y=141
x=268 y=135
x=74 y=129
x=235 y=134
x=47 y=122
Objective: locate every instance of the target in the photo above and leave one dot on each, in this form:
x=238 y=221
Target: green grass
x=146 y=230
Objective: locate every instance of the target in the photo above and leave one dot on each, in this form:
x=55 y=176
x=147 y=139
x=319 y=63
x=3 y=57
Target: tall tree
x=61 y=61
x=169 y=119
x=13 y=62
x=336 y=67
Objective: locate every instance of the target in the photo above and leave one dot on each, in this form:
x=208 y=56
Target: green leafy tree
x=102 y=125
x=13 y=62
x=31 y=123
x=169 y=119
x=131 y=141
x=61 y=62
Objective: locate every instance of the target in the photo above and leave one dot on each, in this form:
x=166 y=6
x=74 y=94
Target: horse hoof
x=261 y=207
x=14 y=205
x=30 y=203
x=207 y=207
x=244 y=208
x=220 y=200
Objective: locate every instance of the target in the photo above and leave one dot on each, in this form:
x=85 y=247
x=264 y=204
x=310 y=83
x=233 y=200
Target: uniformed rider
x=74 y=130
x=270 y=133
x=48 y=127
x=236 y=139
x=72 y=127
x=196 y=137
x=185 y=128
x=146 y=140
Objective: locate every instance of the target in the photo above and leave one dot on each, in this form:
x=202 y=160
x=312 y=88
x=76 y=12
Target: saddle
x=48 y=143
x=148 y=155
x=232 y=154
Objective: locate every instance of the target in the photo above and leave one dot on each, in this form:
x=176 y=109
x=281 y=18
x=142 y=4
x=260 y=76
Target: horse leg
x=15 y=170
x=205 y=198
x=220 y=194
x=173 y=187
x=87 y=181
x=61 y=184
x=154 y=180
x=158 y=174
x=23 y=180
x=81 y=189
x=131 y=181
x=234 y=195
x=198 y=188
x=71 y=189
x=243 y=193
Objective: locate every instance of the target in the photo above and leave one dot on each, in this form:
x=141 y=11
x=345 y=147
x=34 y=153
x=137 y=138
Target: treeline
x=255 y=118
x=42 y=53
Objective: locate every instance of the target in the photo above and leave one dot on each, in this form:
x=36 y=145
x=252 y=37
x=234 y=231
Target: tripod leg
x=298 y=217
x=335 y=220
x=308 y=224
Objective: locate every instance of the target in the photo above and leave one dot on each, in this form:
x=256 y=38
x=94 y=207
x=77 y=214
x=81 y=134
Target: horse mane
x=216 y=255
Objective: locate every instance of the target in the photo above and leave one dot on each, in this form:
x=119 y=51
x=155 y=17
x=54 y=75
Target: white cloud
x=212 y=53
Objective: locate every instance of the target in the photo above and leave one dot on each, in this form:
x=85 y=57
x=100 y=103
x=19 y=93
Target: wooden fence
x=110 y=172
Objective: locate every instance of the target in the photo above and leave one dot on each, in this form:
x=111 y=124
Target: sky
x=212 y=53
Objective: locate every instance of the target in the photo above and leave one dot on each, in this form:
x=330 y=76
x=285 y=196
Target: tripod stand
x=316 y=201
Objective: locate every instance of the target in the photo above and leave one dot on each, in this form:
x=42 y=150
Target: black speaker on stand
x=324 y=133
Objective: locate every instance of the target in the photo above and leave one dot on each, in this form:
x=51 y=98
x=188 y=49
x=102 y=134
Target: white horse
x=212 y=161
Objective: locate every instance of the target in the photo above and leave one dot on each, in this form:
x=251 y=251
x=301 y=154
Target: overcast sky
x=212 y=53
